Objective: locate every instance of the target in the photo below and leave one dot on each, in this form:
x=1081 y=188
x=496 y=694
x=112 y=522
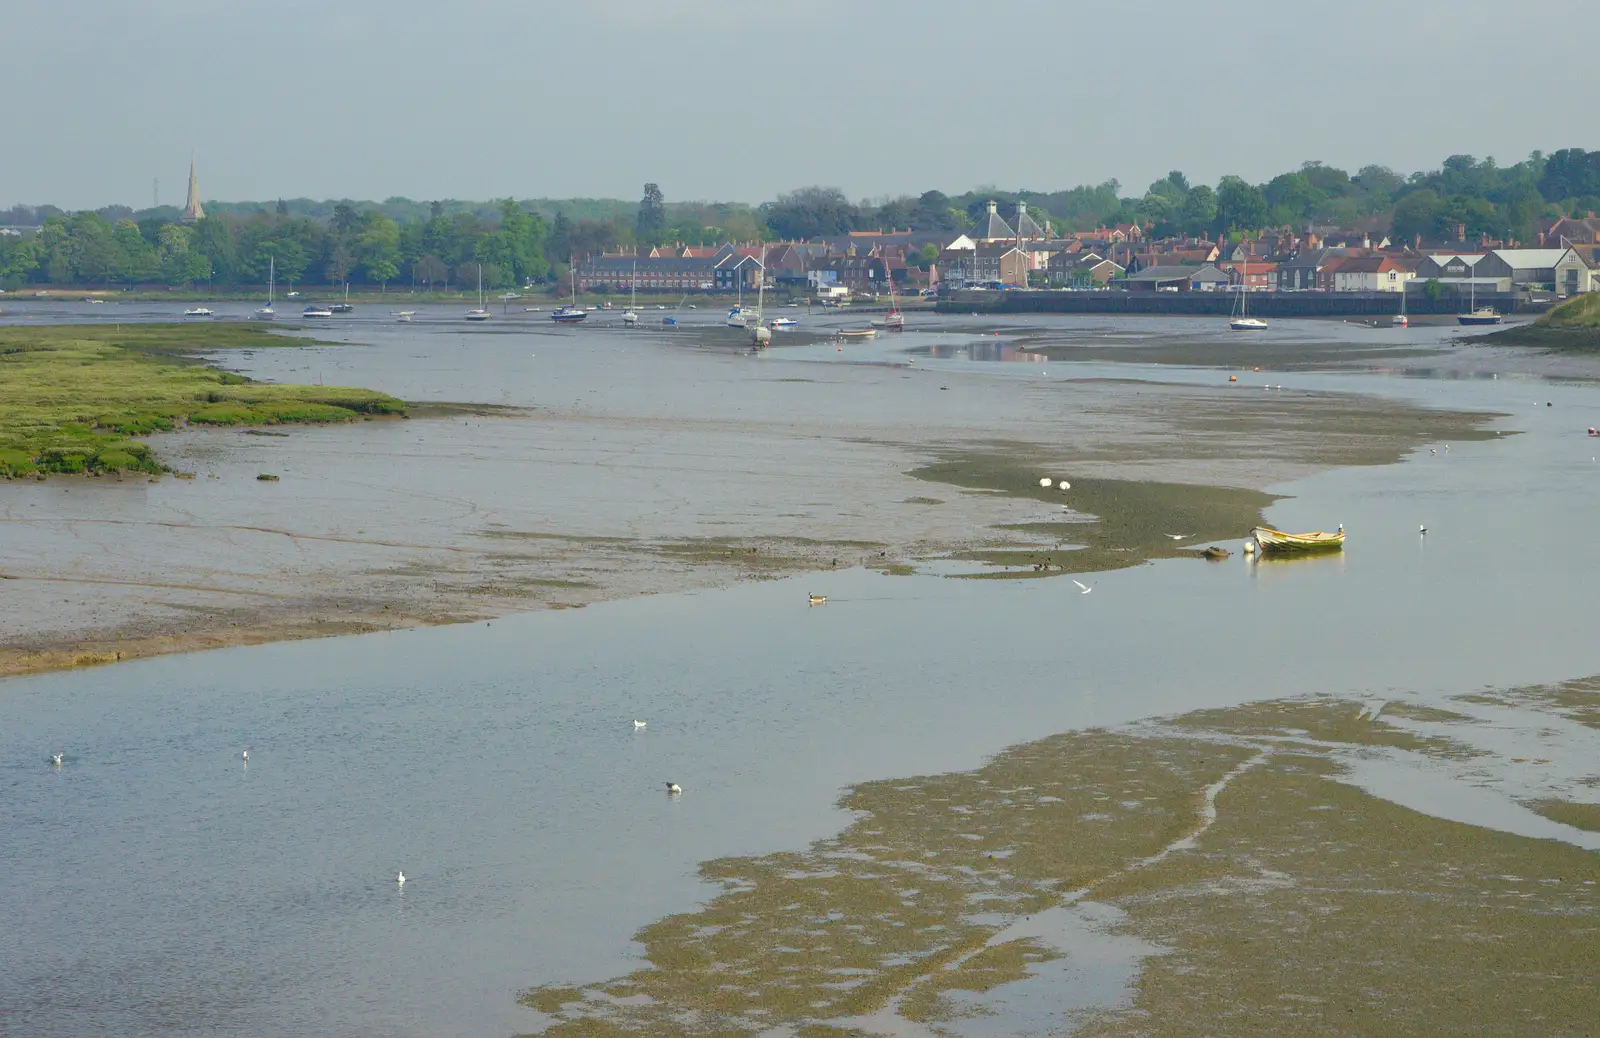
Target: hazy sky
x=723 y=99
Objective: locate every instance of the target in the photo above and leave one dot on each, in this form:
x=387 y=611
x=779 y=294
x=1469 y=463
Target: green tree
x=91 y=250
x=19 y=261
x=136 y=257
x=1240 y=206
x=933 y=214
x=810 y=212
x=1416 y=214
x=378 y=247
x=652 y=220
x=1199 y=210
x=1294 y=196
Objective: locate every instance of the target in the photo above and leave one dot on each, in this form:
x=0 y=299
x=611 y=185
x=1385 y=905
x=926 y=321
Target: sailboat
x=1242 y=321
x=894 y=320
x=267 y=313
x=571 y=313
x=738 y=316
x=760 y=335
x=481 y=313
x=1400 y=320
x=1477 y=314
x=671 y=320
x=344 y=307
x=631 y=316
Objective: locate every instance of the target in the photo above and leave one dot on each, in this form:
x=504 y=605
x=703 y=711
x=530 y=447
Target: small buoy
x=1064 y=485
x=1046 y=481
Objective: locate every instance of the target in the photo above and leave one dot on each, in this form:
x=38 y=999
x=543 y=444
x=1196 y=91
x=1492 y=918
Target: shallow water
x=156 y=885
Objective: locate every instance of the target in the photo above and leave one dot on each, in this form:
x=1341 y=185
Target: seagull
x=673 y=789
x=1064 y=485
x=400 y=880
x=638 y=723
x=1083 y=589
x=1046 y=481
x=1178 y=536
x=246 y=756
x=1432 y=451
x=55 y=758
x=1422 y=529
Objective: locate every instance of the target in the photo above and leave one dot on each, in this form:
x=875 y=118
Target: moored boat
x=316 y=311
x=479 y=312
x=568 y=314
x=858 y=333
x=783 y=322
x=1241 y=320
x=199 y=311
x=1481 y=315
x=1279 y=542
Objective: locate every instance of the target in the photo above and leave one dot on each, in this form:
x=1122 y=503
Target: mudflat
x=699 y=467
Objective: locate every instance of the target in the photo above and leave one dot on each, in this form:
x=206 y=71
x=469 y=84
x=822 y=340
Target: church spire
x=192 y=209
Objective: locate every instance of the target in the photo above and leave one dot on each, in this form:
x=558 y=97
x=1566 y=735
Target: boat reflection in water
x=989 y=352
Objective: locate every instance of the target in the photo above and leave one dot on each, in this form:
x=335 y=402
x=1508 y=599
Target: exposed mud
x=1271 y=896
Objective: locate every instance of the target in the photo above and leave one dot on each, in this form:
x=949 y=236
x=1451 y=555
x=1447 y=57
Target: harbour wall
x=1221 y=304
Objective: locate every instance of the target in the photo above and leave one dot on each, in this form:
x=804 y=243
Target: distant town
x=1469 y=228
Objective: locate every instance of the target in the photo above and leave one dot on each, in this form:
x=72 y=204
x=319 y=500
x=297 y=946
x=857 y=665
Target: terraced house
x=726 y=270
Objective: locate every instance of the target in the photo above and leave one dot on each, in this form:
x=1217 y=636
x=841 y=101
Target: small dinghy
x=1273 y=541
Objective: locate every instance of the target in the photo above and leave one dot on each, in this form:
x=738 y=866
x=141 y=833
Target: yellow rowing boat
x=1271 y=540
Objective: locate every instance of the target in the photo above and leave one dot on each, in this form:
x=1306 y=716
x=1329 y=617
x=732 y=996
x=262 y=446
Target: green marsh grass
x=72 y=398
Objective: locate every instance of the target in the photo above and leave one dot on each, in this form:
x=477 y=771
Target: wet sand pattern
x=1279 y=899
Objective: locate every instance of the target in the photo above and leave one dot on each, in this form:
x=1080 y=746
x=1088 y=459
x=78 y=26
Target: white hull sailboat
x=760 y=335
x=738 y=316
x=1400 y=320
x=630 y=317
x=480 y=313
x=571 y=313
x=1242 y=321
x=267 y=313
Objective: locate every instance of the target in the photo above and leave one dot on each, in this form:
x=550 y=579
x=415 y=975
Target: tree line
x=443 y=244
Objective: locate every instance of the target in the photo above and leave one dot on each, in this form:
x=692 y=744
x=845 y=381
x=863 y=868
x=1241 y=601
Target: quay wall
x=1220 y=304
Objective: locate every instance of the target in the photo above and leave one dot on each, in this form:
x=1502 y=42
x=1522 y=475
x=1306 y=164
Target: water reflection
x=988 y=352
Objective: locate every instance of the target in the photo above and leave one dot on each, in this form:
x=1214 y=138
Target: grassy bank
x=76 y=398
x=1574 y=327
